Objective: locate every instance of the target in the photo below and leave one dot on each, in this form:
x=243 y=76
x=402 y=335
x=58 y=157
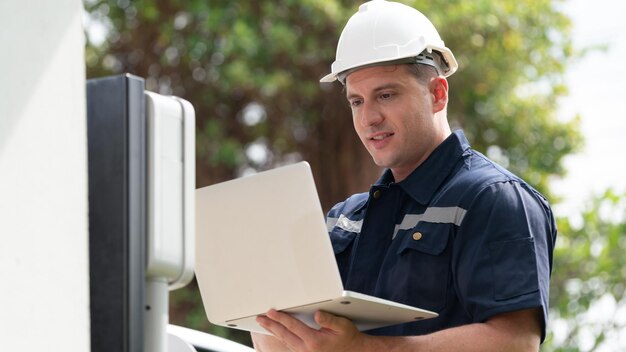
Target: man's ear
x=438 y=88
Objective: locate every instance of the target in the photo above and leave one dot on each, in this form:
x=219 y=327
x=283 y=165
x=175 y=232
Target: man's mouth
x=380 y=137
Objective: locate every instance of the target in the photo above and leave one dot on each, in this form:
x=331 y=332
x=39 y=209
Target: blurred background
x=535 y=92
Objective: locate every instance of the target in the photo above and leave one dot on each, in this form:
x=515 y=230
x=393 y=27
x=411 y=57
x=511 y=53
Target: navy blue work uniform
x=460 y=236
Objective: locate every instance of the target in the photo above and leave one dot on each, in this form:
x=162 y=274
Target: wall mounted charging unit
x=141 y=149
x=171 y=209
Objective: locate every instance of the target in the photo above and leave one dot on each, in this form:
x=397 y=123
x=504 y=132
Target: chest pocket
x=417 y=268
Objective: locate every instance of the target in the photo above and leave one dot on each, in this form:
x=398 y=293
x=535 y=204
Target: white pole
x=156 y=315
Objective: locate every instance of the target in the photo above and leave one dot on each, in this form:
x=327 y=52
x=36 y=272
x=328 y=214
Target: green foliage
x=222 y=56
x=512 y=56
x=589 y=266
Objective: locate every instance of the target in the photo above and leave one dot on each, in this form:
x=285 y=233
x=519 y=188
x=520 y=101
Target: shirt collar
x=424 y=181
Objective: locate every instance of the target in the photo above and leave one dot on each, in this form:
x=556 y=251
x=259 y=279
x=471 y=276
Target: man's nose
x=370 y=115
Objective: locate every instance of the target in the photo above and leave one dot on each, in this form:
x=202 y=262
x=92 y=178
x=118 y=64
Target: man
x=444 y=228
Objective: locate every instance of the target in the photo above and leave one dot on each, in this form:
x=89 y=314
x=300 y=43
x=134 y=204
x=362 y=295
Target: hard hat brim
x=329 y=78
x=449 y=59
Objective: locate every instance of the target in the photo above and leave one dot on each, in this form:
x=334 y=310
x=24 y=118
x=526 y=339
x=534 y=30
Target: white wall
x=44 y=273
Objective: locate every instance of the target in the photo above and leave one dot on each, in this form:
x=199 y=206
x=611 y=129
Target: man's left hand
x=335 y=333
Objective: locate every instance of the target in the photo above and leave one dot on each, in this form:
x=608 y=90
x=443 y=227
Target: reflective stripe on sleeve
x=344 y=223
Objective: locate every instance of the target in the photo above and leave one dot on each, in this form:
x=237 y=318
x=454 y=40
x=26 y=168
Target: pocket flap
x=429 y=238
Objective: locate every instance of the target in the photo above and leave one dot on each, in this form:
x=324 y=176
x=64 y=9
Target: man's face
x=393 y=115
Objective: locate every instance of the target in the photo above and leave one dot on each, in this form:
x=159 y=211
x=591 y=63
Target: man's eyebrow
x=391 y=85
x=351 y=96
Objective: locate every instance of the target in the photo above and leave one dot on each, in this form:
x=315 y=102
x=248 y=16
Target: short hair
x=424 y=72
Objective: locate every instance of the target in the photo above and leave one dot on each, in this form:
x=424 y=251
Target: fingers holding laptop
x=267 y=343
x=336 y=333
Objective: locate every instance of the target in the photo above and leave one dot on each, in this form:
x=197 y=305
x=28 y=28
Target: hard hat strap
x=426 y=57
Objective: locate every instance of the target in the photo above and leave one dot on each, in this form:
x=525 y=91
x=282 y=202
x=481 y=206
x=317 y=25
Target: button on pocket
x=428 y=238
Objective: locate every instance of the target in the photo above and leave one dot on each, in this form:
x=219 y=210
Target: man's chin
x=380 y=162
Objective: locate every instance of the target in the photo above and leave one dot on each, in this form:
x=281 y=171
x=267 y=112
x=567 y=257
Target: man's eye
x=355 y=103
x=386 y=96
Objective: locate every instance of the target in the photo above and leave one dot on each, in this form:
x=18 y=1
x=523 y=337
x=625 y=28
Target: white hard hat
x=384 y=32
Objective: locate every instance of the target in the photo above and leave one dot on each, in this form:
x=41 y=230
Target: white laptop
x=262 y=242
